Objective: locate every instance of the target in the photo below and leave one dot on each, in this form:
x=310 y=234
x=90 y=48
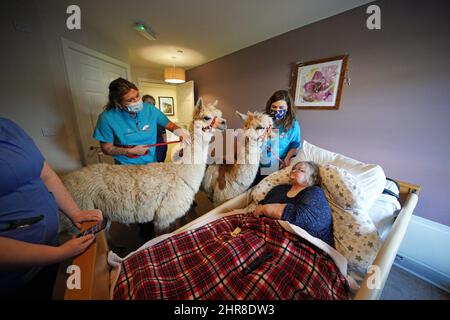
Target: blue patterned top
x=309 y=210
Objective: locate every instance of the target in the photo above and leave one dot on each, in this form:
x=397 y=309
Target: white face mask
x=136 y=107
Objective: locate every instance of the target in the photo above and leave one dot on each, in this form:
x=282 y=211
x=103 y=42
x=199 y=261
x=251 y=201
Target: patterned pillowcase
x=279 y=177
x=342 y=186
x=355 y=237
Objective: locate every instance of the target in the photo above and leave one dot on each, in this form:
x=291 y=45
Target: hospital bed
x=97 y=276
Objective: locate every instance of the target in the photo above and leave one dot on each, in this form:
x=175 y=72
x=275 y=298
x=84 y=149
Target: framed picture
x=318 y=84
x=166 y=105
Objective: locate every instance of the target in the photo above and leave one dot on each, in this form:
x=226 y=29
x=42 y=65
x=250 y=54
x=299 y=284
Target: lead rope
x=264 y=135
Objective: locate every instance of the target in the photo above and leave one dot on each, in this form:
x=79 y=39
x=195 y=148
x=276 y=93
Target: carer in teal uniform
x=128 y=126
x=287 y=143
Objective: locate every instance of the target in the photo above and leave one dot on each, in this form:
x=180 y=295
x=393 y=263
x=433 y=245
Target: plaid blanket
x=260 y=260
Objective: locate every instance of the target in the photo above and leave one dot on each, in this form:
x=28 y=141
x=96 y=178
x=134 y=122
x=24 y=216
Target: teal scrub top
x=286 y=141
x=120 y=128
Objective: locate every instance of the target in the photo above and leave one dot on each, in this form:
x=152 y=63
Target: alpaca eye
x=259 y=128
x=207 y=118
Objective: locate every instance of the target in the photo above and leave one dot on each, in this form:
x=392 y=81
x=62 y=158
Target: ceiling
x=203 y=30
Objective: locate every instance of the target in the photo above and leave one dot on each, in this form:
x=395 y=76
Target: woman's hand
x=183 y=134
x=287 y=160
x=286 y=163
x=85 y=215
x=273 y=210
x=185 y=137
x=138 y=150
x=259 y=211
x=75 y=247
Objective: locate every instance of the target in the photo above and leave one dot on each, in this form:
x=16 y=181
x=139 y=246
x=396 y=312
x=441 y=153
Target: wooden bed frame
x=95 y=271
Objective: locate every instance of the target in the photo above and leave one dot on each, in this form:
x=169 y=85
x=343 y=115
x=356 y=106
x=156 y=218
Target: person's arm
x=17 y=253
x=104 y=133
x=64 y=199
x=294 y=144
x=272 y=210
x=291 y=153
x=178 y=131
x=110 y=149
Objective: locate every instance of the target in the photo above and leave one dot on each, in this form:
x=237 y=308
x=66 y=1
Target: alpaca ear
x=242 y=116
x=199 y=103
x=214 y=105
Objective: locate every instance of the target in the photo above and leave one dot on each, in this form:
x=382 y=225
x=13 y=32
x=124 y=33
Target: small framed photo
x=166 y=105
x=318 y=84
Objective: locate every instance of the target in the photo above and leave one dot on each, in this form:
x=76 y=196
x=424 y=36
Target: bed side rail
x=374 y=281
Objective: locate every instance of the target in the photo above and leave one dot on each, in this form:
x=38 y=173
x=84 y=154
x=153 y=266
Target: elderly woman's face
x=300 y=174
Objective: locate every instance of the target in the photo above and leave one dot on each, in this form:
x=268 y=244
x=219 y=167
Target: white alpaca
x=226 y=181
x=158 y=192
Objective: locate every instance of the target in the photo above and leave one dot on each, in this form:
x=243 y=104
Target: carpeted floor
x=402 y=285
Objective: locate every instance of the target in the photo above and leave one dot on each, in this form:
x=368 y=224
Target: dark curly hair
x=117 y=89
x=288 y=120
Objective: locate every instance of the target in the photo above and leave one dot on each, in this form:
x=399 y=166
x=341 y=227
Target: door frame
x=68 y=45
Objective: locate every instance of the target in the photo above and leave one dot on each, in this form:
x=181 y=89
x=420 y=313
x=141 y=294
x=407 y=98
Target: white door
x=185 y=99
x=90 y=74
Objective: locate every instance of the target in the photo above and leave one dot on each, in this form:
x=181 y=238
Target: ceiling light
x=144 y=30
x=174 y=74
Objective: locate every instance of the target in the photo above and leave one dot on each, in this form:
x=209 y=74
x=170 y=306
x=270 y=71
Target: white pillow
x=262 y=188
x=384 y=210
x=310 y=152
x=369 y=177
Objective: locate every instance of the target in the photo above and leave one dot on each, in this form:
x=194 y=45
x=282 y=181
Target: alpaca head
x=208 y=118
x=257 y=125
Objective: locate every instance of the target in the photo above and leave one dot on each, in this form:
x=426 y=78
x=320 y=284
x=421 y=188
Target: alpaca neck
x=248 y=162
x=197 y=152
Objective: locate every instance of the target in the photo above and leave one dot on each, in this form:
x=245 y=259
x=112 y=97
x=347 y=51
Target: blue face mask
x=279 y=114
x=138 y=106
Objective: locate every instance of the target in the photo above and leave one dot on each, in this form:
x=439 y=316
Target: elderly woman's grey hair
x=313 y=177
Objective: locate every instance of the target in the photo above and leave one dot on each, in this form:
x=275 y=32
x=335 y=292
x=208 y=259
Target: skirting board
x=421 y=271
x=424 y=252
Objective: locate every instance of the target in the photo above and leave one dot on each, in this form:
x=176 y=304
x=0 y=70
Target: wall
x=138 y=73
x=160 y=90
x=396 y=110
x=33 y=85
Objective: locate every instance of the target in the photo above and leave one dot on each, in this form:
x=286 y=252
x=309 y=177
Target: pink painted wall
x=396 y=111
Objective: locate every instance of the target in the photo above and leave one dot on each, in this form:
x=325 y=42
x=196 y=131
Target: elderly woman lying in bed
x=240 y=256
x=302 y=203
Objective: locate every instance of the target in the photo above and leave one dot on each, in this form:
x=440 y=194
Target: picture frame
x=317 y=85
x=166 y=105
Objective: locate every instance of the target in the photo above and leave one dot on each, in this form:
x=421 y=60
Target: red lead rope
x=261 y=138
x=210 y=125
x=166 y=143
x=162 y=143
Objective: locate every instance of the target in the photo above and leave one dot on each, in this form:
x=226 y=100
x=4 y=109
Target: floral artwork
x=318 y=84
